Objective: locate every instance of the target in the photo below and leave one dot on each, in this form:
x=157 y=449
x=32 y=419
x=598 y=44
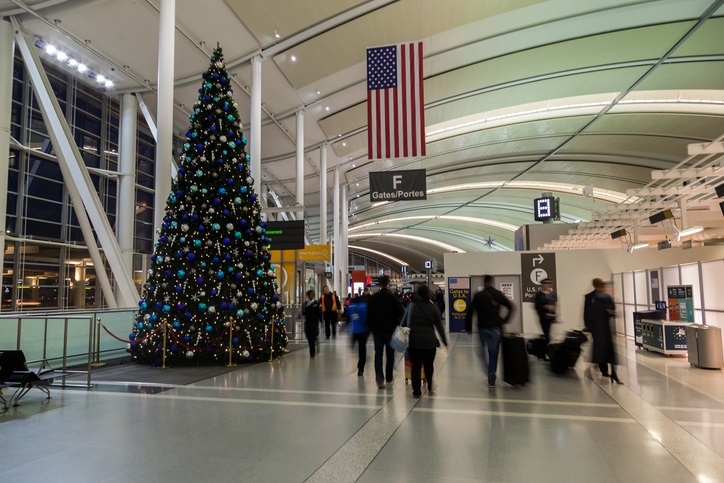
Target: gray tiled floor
x=301 y=420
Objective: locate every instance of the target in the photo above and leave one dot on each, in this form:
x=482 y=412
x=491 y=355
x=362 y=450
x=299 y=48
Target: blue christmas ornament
x=191 y=256
x=199 y=173
x=163 y=239
x=194 y=189
x=203 y=264
x=181 y=171
x=259 y=273
x=140 y=325
x=227 y=257
x=212 y=128
x=219 y=274
x=225 y=212
x=181 y=273
x=209 y=328
x=187 y=338
x=202 y=306
x=226 y=241
x=183 y=238
x=238 y=276
x=243 y=140
x=252 y=198
x=232 y=144
x=199 y=146
x=202 y=228
x=166 y=309
x=248 y=158
x=215 y=259
x=213 y=291
x=176 y=324
x=224 y=305
x=237 y=200
x=222 y=191
x=243 y=189
x=239 y=312
x=237 y=235
x=194 y=217
x=216 y=227
x=180 y=306
x=250 y=291
x=200 y=281
x=131 y=336
x=197 y=243
x=143 y=305
x=242 y=223
x=230 y=117
x=235 y=340
x=262 y=299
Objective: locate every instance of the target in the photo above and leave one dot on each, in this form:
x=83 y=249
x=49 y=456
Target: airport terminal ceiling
x=521 y=97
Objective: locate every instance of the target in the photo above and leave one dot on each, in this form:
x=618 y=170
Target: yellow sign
x=459 y=305
x=315 y=252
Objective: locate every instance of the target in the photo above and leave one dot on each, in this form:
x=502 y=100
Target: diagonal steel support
x=88 y=207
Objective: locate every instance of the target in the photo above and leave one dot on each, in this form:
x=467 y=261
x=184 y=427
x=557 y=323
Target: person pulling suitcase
x=487 y=303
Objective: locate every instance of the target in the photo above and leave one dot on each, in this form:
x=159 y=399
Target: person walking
x=598 y=310
x=423 y=318
x=384 y=311
x=545 y=306
x=330 y=308
x=487 y=304
x=357 y=319
x=312 y=318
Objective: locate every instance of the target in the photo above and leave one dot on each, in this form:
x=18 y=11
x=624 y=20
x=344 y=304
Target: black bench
x=14 y=373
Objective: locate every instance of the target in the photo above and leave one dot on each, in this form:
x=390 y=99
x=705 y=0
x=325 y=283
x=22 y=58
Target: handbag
x=400 y=339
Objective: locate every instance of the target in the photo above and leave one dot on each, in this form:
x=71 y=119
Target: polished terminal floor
x=302 y=419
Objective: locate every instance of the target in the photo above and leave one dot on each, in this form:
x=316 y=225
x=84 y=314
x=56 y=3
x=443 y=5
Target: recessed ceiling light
x=326 y=108
x=353 y=165
x=50 y=49
x=82 y=68
x=73 y=63
x=344 y=144
x=294 y=58
x=62 y=56
x=100 y=79
x=318 y=93
x=277 y=34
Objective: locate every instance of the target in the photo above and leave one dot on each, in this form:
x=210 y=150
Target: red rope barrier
x=131 y=341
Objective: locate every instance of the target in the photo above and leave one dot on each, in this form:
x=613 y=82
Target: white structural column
x=81 y=190
x=127 y=179
x=151 y=122
x=337 y=249
x=300 y=163
x=255 y=121
x=343 y=256
x=323 y=194
x=7 y=50
x=164 y=141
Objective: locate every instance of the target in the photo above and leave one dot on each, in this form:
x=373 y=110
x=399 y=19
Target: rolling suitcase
x=408 y=370
x=565 y=354
x=537 y=347
x=515 y=360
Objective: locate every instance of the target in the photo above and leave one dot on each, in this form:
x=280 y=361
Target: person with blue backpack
x=357 y=319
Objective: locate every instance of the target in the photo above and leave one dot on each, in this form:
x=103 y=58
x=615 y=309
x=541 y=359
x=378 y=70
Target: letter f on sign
x=396 y=181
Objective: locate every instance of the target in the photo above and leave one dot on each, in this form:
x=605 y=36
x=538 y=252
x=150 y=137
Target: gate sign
x=458 y=302
x=398 y=185
x=535 y=267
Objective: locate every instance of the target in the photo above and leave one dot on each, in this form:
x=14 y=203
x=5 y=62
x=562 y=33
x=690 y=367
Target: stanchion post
x=97 y=351
x=271 y=339
x=163 y=347
x=231 y=340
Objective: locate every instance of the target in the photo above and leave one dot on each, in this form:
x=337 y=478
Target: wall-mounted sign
x=316 y=252
x=285 y=235
x=398 y=185
x=535 y=267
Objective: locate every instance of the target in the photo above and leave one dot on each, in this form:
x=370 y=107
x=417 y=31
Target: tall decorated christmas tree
x=211 y=294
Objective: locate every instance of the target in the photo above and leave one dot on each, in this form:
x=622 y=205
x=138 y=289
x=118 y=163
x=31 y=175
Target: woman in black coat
x=597 y=312
x=423 y=319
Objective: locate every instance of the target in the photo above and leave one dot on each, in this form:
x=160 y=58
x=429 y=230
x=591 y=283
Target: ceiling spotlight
x=50 y=49
x=277 y=34
x=637 y=246
x=72 y=62
x=82 y=68
x=100 y=79
x=62 y=56
x=318 y=92
x=294 y=58
x=687 y=232
x=344 y=144
x=109 y=84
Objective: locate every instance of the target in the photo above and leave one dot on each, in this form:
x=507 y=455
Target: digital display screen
x=543 y=208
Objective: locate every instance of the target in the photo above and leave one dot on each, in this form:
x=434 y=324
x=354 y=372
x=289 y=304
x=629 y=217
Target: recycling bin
x=704 y=346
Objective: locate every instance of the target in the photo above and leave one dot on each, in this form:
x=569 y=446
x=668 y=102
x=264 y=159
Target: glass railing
x=72 y=342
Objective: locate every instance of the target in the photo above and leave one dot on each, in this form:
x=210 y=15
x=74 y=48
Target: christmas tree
x=211 y=292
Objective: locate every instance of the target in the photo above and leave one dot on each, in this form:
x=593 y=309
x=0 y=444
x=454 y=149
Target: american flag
x=395 y=102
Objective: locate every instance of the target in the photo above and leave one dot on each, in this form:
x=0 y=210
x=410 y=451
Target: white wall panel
x=713 y=289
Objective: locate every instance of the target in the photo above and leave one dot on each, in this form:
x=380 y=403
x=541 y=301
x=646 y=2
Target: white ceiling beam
x=687 y=173
x=695 y=149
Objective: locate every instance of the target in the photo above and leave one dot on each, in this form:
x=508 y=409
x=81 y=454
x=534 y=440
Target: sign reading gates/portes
x=535 y=267
x=285 y=235
x=398 y=185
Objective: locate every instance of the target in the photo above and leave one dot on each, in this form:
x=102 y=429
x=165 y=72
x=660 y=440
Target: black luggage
x=515 y=360
x=565 y=354
x=537 y=347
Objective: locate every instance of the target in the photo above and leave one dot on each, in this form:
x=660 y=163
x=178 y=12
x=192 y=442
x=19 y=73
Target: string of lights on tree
x=211 y=270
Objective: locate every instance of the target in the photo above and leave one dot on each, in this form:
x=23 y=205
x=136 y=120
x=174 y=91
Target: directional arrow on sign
x=538 y=259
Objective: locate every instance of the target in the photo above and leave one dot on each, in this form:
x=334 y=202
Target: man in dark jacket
x=384 y=312
x=545 y=306
x=487 y=304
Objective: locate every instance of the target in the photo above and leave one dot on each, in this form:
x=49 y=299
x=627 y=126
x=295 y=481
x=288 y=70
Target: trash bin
x=704 y=346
